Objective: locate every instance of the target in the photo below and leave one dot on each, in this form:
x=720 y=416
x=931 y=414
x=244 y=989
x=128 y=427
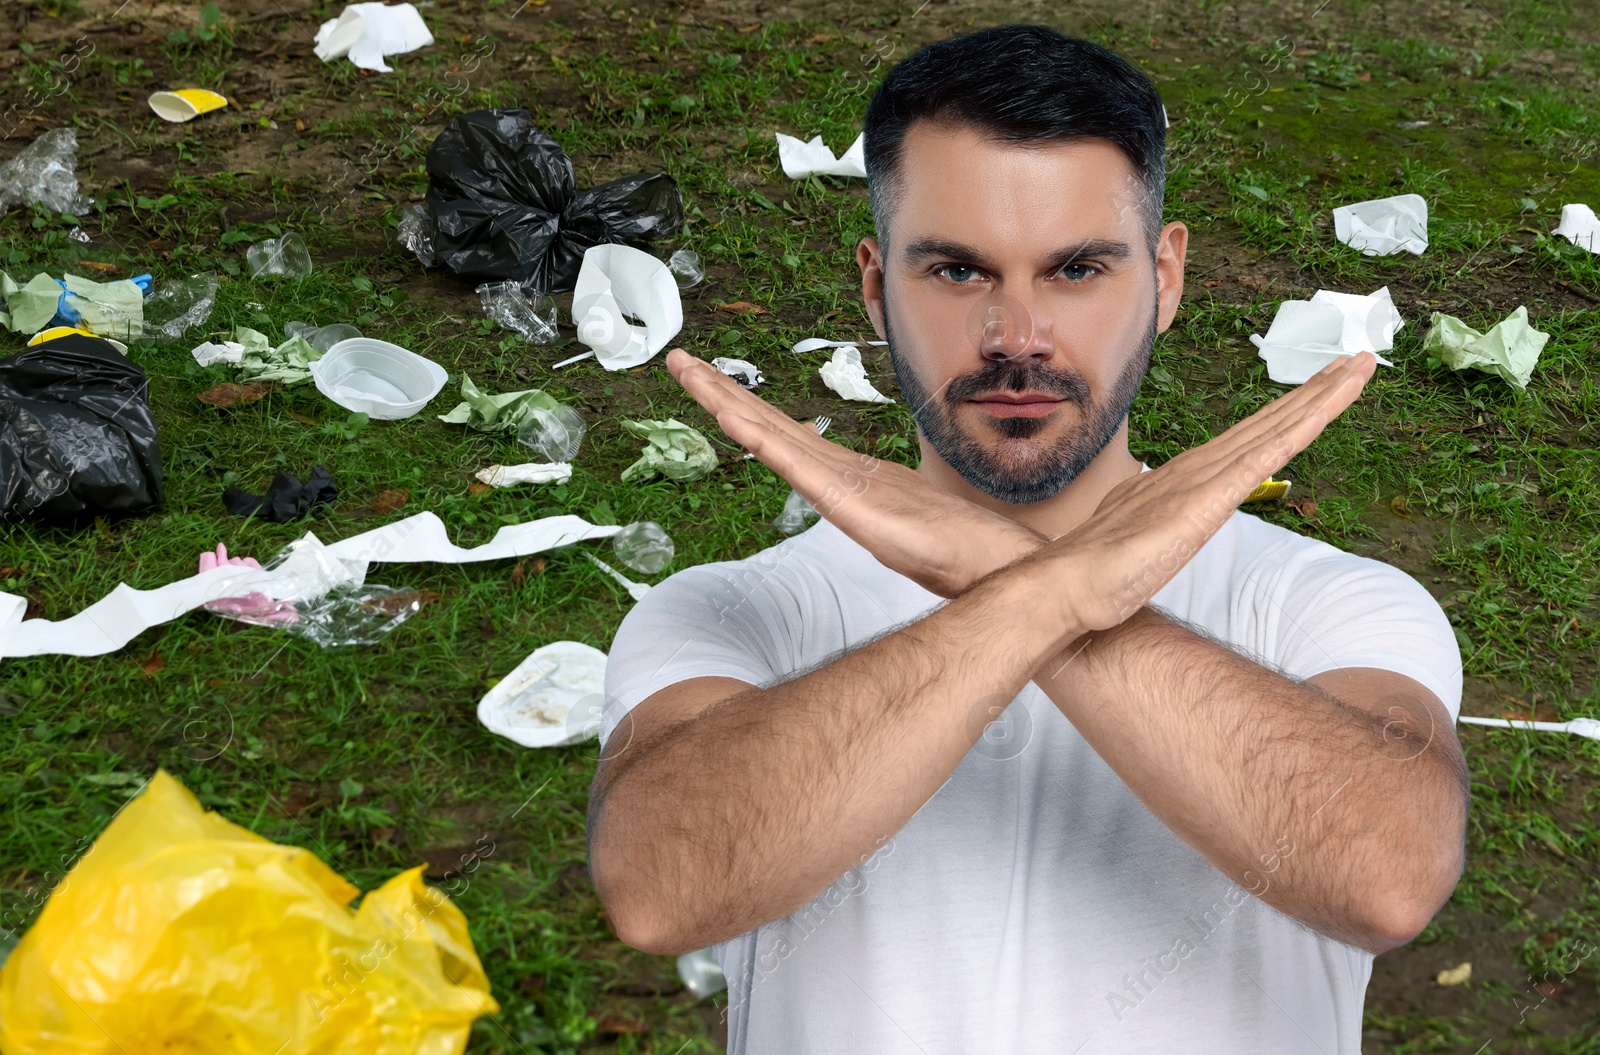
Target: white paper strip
x=125 y=612
x=800 y=160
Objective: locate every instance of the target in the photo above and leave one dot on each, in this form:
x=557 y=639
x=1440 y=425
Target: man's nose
x=1011 y=330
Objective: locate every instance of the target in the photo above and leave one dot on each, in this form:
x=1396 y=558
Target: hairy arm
x=702 y=829
x=1340 y=801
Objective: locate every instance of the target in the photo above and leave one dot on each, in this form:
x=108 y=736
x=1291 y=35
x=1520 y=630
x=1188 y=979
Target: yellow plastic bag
x=181 y=932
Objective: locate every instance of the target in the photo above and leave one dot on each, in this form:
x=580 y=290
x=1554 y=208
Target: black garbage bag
x=76 y=434
x=504 y=201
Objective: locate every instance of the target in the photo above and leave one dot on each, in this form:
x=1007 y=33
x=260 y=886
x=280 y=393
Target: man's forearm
x=1328 y=812
x=742 y=814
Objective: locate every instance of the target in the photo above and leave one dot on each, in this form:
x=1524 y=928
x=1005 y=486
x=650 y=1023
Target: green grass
x=372 y=757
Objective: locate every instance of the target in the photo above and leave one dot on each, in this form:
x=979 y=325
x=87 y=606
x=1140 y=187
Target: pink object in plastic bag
x=252 y=607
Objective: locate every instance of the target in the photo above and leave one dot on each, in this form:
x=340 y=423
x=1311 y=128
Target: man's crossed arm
x=731 y=806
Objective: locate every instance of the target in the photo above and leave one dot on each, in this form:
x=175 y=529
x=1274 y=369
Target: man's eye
x=1079 y=272
x=959 y=273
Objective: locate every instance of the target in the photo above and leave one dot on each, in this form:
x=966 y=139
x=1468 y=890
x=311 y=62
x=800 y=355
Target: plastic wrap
x=644 y=547
x=287 y=257
x=531 y=314
x=177 y=307
x=798 y=514
x=416 y=233
x=44 y=173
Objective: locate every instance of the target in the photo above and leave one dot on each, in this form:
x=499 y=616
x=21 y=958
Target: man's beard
x=1043 y=472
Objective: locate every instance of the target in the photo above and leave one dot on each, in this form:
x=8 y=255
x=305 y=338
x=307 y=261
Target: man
x=1030 y=749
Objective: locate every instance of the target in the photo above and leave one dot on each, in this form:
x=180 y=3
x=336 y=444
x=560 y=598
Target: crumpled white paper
x=526 y=473
x=1384 y=225
x=368 y=32
x=846 y=376
x=813 y=344
x=800 y=160
x=1580 y=226
x=550 y=699
x=616 y=280
x=1307 y=335
x=740 y=368
x=125 y=612
x=208 y=353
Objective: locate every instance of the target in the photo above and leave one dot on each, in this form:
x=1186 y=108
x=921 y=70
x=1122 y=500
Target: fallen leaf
x=619 y=1024
x=1397 y=506
x=751 y=28
x=382 y=835
x=1306 y=507
x=1363 y=76
x=478 y=489
x=154 y=664
x=299 y=125
x=524 y=568
x=389 y=501
x=304 y=419
x=1455 y=975
x=1254 y=283
x=429 y=597
x=229 y=394
x=742 y=307
x=103 y=268
x=1212 y=283
x=819 y=38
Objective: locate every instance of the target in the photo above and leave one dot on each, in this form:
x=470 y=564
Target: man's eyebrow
x=922 y=249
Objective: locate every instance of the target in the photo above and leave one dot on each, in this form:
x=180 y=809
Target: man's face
x=1020 y=303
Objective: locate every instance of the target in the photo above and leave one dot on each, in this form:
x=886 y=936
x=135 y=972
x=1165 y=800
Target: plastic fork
x=636 y=590
x=820 y=424
x=1589 y=727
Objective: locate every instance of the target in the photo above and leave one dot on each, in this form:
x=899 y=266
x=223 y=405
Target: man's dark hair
x=1018 y=84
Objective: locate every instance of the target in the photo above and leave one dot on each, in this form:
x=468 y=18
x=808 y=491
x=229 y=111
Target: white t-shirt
x=1034 y=906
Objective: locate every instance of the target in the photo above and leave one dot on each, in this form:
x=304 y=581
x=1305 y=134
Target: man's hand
x=942 y=543
x=1144 y=530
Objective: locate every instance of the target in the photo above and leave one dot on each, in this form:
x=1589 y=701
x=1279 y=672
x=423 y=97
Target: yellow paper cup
x=185 y=104
x=1267 y=491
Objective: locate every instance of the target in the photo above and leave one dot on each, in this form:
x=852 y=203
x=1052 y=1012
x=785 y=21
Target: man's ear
x=1169 y=272
x=871 y=264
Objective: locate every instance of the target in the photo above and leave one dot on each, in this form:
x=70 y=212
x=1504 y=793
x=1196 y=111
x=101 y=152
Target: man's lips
x=1018 y=404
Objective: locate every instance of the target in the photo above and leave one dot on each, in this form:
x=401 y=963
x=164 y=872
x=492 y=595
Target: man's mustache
x=1000 y=375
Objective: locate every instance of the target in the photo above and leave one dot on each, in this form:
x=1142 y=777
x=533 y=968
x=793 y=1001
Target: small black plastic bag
x=76 y=433
x=505 y=202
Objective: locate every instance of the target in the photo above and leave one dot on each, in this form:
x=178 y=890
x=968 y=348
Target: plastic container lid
x=551 y=698
x=379 y=379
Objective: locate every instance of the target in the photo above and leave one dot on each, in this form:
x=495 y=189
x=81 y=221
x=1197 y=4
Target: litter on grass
x=189 y=932
x=1307 y=335
x=531 y=314
x=674 y=450
x=636 y=590
x=381 y=380
x=701 y=973
x=746 y=373
x=506 y=412
x=504 y=204
x=112 y=309
x=288 y=363
x=1580 y=226
x=1589 y=727
x=645 y=547
x=321 y=337
x=210 y=353
x=76 y=432
x=617 y=284
x=285 y=257
x=177 y=307
x=686 y=269
x=1384 y=225
x=1268 y=490
x=124 y=613
x=416 y=232
x=550 y=699
x=287 y=499
x=1510 y=349
x=369 y=33
x=554 y=432
x=185 y=104
x=45 y=173
x=816 y=344
x=800 y=160
x=846 y=375
x=526 y=473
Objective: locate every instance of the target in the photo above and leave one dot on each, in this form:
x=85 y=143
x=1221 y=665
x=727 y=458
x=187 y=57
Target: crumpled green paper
x=288 y=364
x=112 y=309
x=675 y=451
x=505 y=412
x=1510 y=348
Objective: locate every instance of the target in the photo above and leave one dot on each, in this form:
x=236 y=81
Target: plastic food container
x=552 y=698
x=379 y=379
